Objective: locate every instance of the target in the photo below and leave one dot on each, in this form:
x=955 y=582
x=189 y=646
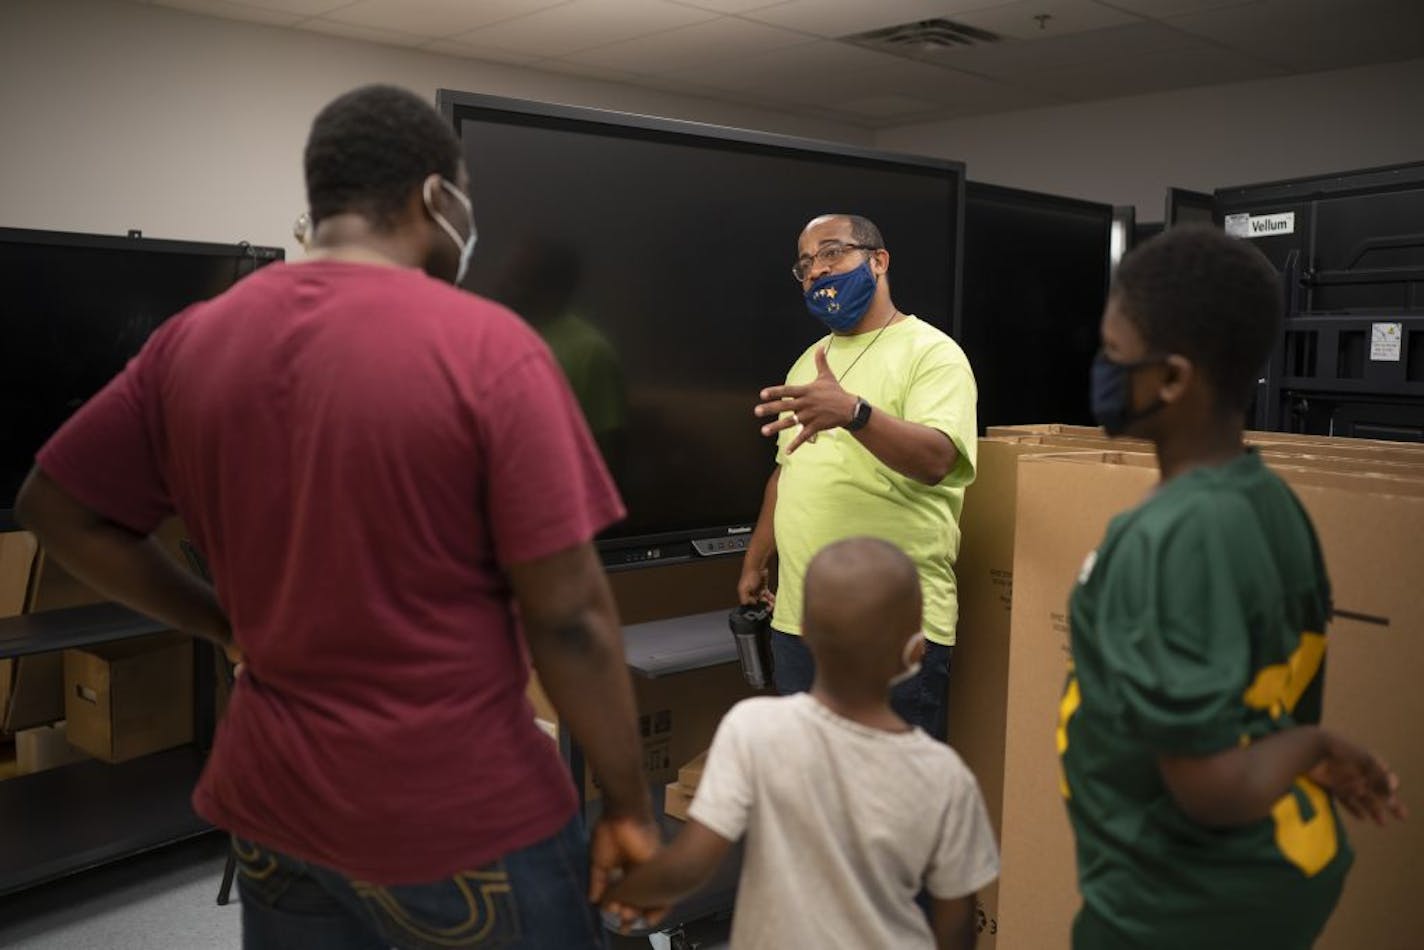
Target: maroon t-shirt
x=359 y=451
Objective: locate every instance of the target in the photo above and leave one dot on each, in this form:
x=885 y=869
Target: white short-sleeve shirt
x=845 y=824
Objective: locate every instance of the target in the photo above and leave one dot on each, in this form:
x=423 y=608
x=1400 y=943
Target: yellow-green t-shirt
x=834 y=488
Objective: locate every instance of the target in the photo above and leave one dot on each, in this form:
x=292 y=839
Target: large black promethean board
x=74 y=308
x=1350 y=248
x=655 y=258
x=1036 y=270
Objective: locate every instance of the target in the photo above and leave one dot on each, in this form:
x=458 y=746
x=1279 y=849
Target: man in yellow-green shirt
x=876 y=436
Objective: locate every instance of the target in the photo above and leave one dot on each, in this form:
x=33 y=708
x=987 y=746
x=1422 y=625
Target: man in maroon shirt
x=397 y=496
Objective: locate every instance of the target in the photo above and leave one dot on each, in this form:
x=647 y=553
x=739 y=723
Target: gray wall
x=1128 y=151
x=115 y=115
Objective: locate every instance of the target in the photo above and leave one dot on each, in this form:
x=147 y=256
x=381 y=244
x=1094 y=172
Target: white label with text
x=1386 y=341
x=1260 y=225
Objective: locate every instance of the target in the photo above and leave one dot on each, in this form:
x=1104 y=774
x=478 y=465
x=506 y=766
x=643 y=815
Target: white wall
x=115 y=115
x=1129 y=151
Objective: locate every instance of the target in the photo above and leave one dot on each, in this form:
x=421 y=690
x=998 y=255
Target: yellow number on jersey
x=1309 y=844
x=1072 y=697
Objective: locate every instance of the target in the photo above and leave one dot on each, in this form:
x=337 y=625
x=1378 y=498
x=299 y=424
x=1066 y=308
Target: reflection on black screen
x=658 y=268
x=71 y=317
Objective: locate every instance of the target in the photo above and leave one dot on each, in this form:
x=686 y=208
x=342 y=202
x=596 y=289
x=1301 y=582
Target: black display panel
x=1189 y=207
x=1036 y=271
x=74 y=308
x=1350 y=248
x=654 y=257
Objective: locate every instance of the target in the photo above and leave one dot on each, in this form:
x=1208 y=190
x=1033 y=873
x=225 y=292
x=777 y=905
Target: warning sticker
x=1386 y=342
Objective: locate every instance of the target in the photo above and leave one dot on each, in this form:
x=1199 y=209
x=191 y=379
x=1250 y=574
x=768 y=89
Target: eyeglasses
x=827 y=256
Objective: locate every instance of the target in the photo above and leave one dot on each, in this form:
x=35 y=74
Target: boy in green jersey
x=1200 y=787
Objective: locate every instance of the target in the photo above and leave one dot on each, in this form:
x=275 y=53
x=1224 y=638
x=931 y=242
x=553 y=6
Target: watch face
x=860 y=416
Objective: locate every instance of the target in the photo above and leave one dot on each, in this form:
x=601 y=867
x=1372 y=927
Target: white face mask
x=467 y=246
x=912 y=665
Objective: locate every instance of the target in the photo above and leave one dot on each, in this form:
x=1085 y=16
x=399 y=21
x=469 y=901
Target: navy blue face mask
x=840 y=300
x=1112 y=394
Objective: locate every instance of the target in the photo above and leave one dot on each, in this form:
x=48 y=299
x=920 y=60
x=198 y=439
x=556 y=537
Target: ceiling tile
x=1165 y=8
x=689 y=47
x=486 y=54
x=1014 y=58
x=583 y=24
x=301 y=8
x=890 y=107
x=1138 y=75
x=836 y=18
x=231 y=11
x=1019 y=20
x=566 y=68
x=730 y=6
x=436 y=18
x=812 y=73
x=1316 y=34
x=948 y=87
x=365 y=34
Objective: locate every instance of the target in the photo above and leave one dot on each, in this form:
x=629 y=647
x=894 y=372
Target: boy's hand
x=630 y=916
x=619 y=843
x=1360 y=781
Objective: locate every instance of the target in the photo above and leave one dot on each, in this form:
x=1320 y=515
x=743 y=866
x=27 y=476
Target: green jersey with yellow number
x=1197 y=625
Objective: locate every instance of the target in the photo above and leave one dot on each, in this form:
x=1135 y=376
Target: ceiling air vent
x=922 y=39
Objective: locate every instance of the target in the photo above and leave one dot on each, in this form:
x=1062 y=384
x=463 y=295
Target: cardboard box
x=690 y=774
x=37 y=681
x=131 y=697
x=44 y=747
x=18 y=552
x=1063 y=510
x=1376 y=449
x=978 y=680
x=677 y=716
x=677 y=800
x=1369 y=527
x=677 y=796
x=1344 y=458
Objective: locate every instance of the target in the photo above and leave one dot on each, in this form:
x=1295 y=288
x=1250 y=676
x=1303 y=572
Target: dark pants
x=922 y=701
x=532 y=899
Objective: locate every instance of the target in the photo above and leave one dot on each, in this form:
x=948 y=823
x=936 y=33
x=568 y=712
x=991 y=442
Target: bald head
x=847 y=228
x=862 y=603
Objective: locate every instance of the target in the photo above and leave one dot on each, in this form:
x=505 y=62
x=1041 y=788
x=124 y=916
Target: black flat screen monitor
x=1036 y=271
x=74 y=308
x=655 y=258
x=1189 y=207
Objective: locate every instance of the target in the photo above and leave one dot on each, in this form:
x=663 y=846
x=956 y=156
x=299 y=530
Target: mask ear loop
x=445 y=225
x=911 y=668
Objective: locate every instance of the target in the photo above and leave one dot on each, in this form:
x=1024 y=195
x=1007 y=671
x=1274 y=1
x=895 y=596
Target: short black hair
x=1214 y=299
x=369 y=147
x=864 y=232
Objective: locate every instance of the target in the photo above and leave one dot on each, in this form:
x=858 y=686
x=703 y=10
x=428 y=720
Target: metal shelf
x=679 y=644
x=77 y=817
x=71 y=627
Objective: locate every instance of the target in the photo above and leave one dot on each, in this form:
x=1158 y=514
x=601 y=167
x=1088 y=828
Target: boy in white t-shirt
x=849 y=813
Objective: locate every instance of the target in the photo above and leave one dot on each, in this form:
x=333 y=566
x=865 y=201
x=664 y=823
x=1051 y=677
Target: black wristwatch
x=859 y=416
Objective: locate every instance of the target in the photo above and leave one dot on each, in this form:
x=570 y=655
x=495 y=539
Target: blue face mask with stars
x=840 y=300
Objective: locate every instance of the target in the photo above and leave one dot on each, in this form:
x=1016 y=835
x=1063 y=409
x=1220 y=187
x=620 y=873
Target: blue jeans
x=531 y=899
x=922 y=701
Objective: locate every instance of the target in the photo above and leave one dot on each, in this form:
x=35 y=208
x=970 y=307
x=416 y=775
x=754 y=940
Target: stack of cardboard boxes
x=1042 y=502
x=114 y=701
x=677 y=797
x=677 y=714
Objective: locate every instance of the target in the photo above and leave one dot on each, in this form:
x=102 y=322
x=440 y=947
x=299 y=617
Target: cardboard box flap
x=690 y=775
